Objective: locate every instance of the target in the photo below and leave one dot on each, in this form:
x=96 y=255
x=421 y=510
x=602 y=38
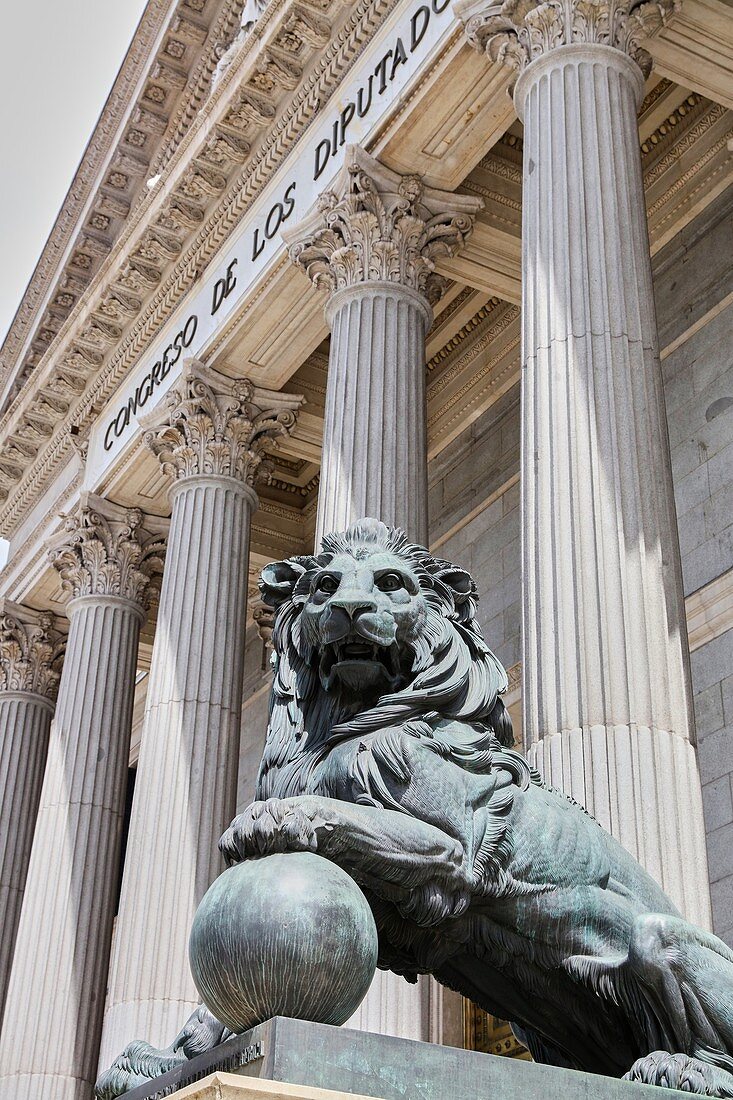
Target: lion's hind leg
x=675 y=987
x=686 y=976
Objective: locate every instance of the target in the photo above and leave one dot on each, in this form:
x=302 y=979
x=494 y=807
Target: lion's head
x=373 y=632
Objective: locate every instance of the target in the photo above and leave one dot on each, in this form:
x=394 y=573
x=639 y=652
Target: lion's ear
x=459 y=581
x=278 y=580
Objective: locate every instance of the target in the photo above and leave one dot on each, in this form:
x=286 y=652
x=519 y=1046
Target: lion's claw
x=683 y=1073
x=277 y=825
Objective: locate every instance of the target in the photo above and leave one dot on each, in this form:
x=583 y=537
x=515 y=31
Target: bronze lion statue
x=389 y=751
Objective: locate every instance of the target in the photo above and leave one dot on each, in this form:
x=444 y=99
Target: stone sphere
x=284 y=935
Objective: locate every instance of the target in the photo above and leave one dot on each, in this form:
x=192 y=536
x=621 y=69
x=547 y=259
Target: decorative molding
x=456 y=342
x=666 y=128
x=107 y=550
x=218 y=426
x=86 y=176
x=131 y=136
x=375 y=225
x=710 y=611
x=487 y=374
x=31 y=650
x=297 y=490
x=517 y=32
x=264 y=620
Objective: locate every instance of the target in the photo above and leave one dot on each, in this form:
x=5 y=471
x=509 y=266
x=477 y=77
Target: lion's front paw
x=277 y=825
x=681 y=1072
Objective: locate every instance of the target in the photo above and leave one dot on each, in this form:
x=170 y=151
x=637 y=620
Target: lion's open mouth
x=337 y=658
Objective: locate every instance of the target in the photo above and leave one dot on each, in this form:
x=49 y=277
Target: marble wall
x=477 y=475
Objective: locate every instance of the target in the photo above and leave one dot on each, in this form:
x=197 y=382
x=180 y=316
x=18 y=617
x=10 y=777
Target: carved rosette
x=378 y=226
x=108 y=550
x=517 y=32
x=31 y=651
x=219 y=426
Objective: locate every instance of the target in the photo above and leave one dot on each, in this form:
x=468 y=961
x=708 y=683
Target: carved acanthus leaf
x=219 y=426
x=375 y=225
x=516 y=32
x=31 y=650
x=107 y=550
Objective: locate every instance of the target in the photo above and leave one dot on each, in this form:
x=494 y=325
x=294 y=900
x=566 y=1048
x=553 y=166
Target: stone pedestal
x=211 y=440
x=31 y=651
x=293 y=1060
x=372 y=243
x=607 y=712
x=53 y=1017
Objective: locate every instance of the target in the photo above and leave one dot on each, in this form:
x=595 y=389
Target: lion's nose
x=354 y=605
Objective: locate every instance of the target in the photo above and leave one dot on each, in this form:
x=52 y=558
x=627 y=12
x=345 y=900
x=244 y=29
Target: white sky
x=58 y=61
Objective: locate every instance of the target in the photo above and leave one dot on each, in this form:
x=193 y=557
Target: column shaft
x=375 y=464
x=25 y=721
x=606 y=682
x=185 y=793
x=375 y=436
x=55 y=1000
x=372 y=242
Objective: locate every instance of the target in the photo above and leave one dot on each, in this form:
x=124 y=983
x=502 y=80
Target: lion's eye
x=389 y=582
x=327 y=583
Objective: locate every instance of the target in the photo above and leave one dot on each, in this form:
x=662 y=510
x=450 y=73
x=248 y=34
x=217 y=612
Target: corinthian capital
x=377 y=226
x=107 y=550
x=31 y=650
x=517 y=32
x=219 y=426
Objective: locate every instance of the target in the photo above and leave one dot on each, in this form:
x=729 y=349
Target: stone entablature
x=153 y=239
x=170 y=62
x=254 y=96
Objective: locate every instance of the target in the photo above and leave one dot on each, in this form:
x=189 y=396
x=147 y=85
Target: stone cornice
x=34 y=446
x=217 y=426
x=106 y=550
x=31 y=650
x=135 y=133
x=374 y=225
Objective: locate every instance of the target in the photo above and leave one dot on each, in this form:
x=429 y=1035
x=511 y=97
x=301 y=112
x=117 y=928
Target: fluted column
x=106 y=557
x=31 y=652
x=606 y=680
x=371 y=243
x=211 y=440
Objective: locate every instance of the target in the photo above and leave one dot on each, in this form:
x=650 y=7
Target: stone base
x=295 y=1060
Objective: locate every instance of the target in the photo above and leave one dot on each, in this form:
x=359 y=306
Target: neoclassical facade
x=465 y=266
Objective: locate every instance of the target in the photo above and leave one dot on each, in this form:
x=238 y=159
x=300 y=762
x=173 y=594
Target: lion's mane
x=452 y=703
